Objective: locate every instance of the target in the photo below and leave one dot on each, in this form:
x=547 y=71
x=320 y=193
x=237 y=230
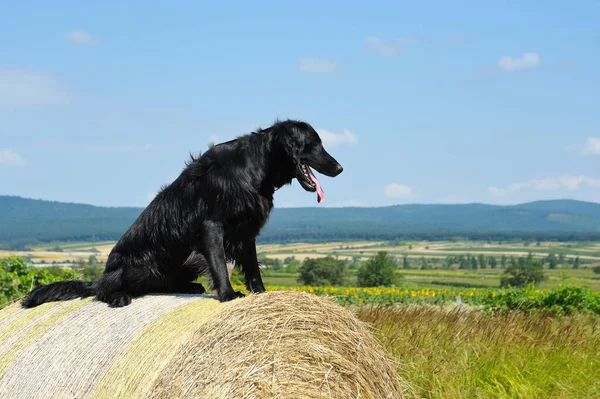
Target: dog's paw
x=196 y=288
x=119 y=299
x=257 y=290
x=229 y=296
x=255 y=286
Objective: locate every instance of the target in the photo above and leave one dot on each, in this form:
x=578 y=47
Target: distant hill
x=24 y=221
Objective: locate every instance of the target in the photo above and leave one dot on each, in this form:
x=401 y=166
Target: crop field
x=435 y=254
x=416 y=252
x=589 y=251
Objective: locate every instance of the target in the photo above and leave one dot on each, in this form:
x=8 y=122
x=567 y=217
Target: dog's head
x=305 y=150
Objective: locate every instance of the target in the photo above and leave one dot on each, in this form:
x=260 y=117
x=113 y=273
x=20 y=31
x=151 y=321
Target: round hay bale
x=274 y=345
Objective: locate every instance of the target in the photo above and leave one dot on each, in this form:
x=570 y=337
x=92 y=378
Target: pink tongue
x=320 y=193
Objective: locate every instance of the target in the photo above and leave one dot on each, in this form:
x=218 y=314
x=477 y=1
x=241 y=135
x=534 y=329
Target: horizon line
x=325 y=206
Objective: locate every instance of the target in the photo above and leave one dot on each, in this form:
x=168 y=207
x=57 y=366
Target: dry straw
x=274 y=345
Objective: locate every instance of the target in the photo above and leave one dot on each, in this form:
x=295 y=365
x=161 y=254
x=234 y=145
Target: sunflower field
x=565 y=298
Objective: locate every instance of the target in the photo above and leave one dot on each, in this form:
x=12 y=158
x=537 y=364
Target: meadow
x=445 y=353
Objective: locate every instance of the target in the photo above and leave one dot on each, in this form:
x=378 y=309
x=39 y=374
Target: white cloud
x=330 y=139
x=79 y=37
x=28 y=88
x=396 y=190
x=526 y=61
x=382 y=47
x=592 y=146
x=10 y=158
x=318 y=65
x=557 y=183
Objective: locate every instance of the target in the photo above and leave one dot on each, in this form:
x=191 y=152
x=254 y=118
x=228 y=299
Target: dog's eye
x=308 y=147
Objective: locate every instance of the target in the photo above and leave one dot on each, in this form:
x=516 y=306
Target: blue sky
x=422 y=102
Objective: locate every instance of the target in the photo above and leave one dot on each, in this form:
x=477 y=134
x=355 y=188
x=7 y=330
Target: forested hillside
x=25 y=221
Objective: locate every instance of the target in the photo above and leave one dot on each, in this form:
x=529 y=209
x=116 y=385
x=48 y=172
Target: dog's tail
x=59 y=291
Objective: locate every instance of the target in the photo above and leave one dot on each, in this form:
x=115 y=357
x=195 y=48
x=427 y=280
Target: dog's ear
x=292 y=142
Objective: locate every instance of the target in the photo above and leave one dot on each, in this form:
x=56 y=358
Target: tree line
x=380 y=270
x=17 y=239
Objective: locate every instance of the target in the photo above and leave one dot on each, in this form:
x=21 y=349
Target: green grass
x=454 y=282
x=287 y=280
x=466 y=278
x=504 y=355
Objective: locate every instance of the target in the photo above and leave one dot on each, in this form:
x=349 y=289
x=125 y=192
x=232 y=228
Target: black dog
x=211 y=213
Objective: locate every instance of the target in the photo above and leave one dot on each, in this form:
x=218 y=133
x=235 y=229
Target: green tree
x=92 y=273
x=473 y=263
x=493 y=262
x=354 y=263
x=273 y=264
x=92 y=260
x=450 y=260
x=482 y=261
x=503 y=260
x=292 y=267
x=520 y=275
x=379 y=270
x=405 y=262
x=596 y=269
x=576 y=263
x=289 y=260
x=322 y=271
x=552 y=261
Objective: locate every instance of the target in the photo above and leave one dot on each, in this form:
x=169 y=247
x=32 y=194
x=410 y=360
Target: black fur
x=211 y=213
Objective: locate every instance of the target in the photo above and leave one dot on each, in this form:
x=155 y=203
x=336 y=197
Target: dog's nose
x=338 y=169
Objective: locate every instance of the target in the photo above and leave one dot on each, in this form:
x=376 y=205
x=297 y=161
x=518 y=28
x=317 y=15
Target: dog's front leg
x=212 y=238
x=249 y=263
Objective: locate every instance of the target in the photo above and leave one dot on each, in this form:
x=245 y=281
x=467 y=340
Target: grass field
x=450 y=354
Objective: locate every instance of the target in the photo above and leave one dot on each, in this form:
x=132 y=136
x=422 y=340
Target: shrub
x=322 y=271
x=273 y=264
x=378 y=271
x=571 y=298
x=17 y=278
x=522 y=273
x=292 y=267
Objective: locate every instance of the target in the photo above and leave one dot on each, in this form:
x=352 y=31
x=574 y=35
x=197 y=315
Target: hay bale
x=278 y=344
